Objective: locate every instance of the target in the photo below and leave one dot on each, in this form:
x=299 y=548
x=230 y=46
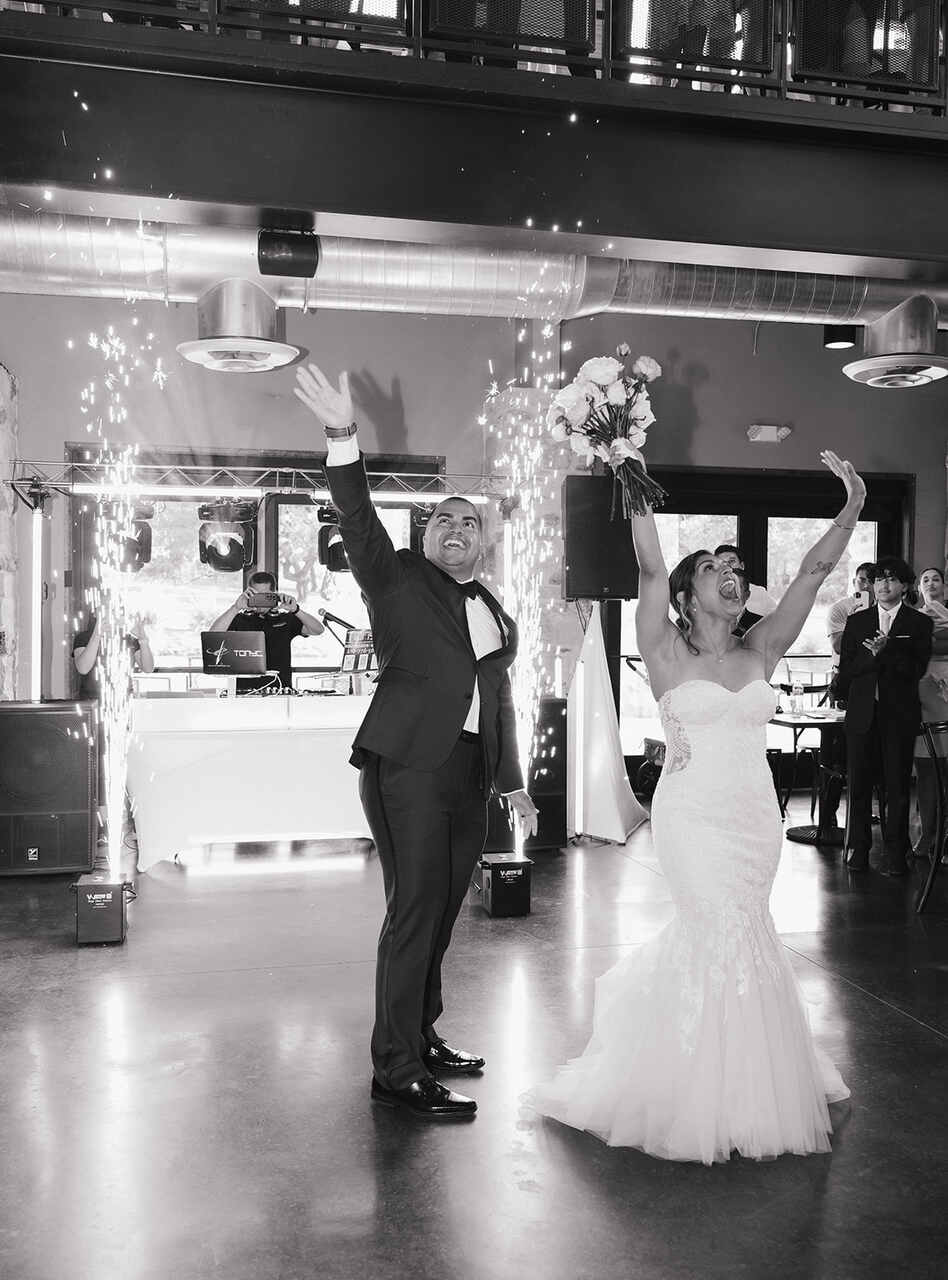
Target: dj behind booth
x=269 y=768
x=269 y=618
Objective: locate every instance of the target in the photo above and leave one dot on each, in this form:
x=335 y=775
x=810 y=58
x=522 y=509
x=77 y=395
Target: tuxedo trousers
x=881 y=755
x=429 y=830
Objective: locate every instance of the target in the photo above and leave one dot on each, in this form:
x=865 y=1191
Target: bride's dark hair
x=682 y=579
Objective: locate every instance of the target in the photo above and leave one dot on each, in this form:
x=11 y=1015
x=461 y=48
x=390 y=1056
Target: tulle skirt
x=700 y=1048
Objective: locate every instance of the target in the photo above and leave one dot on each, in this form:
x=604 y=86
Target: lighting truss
x=206 y=481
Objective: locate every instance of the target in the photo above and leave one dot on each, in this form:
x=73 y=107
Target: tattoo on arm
x=822 y=566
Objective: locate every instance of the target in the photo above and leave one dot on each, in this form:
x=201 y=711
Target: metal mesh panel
x=863 y=41
x=567 y=24
x=167 y=14
x=384 y=14
x=714 y=33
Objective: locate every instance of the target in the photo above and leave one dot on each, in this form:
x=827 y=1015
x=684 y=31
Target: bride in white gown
x=700 y=1043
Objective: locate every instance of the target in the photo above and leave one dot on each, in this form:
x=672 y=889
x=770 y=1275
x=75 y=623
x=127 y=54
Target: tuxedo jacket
x=427 y=666
x=895 y=673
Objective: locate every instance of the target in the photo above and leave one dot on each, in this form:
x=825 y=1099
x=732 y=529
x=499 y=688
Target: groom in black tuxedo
x=438 y=737
x=883 y=654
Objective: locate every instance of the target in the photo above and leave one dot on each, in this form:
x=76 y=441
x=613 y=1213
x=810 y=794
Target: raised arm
x=84 y=657
x=222 y=623
x=372 y=557
x=654 y=629
x=774 y=635
x=143 y=659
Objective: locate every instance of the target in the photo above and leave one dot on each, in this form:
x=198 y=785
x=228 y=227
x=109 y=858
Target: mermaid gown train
x=700 y=1042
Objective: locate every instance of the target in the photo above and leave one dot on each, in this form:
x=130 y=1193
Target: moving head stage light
x=227 y=540
x=135 y=533
x=330 y=551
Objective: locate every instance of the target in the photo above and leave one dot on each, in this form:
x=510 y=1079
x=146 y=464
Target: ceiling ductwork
x=44 y=253
x=91 y=257
x=899 y=348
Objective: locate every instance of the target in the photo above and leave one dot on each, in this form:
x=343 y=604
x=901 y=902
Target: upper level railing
x=881 y=54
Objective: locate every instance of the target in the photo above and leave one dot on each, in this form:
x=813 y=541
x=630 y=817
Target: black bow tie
x=470 y=589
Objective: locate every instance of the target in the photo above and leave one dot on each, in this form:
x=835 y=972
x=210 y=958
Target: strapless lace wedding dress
x=700 y=1042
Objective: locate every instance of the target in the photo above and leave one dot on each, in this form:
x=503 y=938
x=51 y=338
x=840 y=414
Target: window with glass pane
x=176 y=596
x=314 y=586
x=788 y=540
x=679 y=535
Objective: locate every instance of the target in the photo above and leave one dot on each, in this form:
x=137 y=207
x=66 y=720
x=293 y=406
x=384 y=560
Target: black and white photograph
x=473 y=640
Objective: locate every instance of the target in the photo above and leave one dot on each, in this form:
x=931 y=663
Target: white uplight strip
x=579 y=755
x=168 y=490
x=380 y=496
x=36 y=608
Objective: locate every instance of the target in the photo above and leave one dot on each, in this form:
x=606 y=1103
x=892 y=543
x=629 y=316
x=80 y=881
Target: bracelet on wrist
x=850 y=527
x=340 y=433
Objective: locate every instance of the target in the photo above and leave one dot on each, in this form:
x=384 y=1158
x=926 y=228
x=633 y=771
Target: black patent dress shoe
x=441 y=1057
x=856 y=860
x=426 y=1098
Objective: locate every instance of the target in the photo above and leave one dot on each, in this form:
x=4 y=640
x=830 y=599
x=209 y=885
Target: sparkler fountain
x=106 y=596
x=532 y=464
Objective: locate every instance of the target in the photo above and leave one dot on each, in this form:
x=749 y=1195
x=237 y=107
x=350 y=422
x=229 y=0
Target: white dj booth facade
x=203 y=770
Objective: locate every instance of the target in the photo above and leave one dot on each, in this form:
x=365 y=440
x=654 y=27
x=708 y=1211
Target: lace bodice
x=705 y=717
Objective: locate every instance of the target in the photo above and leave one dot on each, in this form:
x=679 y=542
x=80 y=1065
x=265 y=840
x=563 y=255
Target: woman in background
x=933 y=693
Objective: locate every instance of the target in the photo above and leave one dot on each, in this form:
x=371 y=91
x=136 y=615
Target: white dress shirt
x=887 y=617
x=485 y=638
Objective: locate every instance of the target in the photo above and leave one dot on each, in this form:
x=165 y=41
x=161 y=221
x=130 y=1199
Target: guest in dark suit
x=883 y=655
x=439 y=736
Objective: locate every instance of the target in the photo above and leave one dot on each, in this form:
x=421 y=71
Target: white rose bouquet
x=605 y=413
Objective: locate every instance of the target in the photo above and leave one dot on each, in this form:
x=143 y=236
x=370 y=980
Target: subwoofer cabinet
x=546 y=783
x=48 y=787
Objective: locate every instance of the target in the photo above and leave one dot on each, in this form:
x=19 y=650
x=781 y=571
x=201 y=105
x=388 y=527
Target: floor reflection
x=194 y=1103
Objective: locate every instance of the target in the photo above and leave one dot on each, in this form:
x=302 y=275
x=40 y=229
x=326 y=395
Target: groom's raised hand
x=331 y=406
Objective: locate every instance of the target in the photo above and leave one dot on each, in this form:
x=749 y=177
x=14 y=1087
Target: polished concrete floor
x=194 y=1103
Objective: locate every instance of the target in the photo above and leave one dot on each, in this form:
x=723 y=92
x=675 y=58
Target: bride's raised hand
x=855 y=485
x=331 y=406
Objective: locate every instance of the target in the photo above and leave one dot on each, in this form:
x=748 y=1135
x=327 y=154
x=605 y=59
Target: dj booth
x=203 y=770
